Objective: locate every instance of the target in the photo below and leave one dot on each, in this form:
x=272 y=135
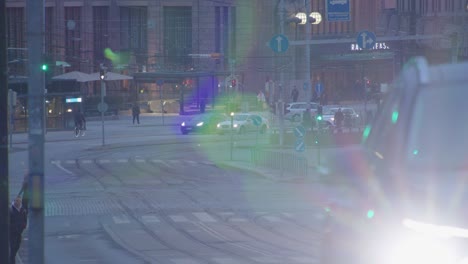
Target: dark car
x=203 y=123
x=407 y=183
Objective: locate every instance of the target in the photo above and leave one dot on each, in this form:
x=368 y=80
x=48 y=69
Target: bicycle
x=80 y=130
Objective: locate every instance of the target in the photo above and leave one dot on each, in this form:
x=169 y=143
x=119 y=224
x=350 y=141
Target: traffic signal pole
x=36 y=90
x=4 y=183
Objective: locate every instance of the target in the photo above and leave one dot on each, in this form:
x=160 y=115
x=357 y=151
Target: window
x=133 y=37
x=438 y=129
x=16 y=41
x=177 y=36
x=101 y=33
x=73 y=37
x=225 y=32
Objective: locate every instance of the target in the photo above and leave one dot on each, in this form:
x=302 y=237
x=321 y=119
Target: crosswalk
x=169 y=162
x=213 y=217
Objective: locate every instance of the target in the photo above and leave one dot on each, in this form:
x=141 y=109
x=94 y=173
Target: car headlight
x=235 y=125
x=332 y=119
x=218 y=125
x=422 y=243
x=418 y=249
x=200 y=124
x=183 y=124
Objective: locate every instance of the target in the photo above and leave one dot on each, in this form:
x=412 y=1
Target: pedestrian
x=18 y=222
x=261 y=99
x=294 y=94
x=338 y=118
x=136 y=113
x=202 y=105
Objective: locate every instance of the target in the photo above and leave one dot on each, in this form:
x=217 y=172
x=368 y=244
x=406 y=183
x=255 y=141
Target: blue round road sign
x=279 y=43
x=366 y=39
x=257 y=120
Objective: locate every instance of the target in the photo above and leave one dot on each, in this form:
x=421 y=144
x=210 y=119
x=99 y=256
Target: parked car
x=406 y=184
x=294 y=111
x=204 y=123
x=243 y=123
x=351 y=118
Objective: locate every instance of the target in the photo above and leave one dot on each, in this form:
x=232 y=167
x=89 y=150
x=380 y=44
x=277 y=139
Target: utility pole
x=281 y=84
x=4 y=183
x=36 y=90
x=308 y=33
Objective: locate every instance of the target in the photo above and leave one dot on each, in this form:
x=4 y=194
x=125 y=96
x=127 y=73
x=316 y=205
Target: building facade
x=229 y=38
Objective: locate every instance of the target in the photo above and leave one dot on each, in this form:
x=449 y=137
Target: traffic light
x=44 y=67
x=319 y=113
x=102 y=74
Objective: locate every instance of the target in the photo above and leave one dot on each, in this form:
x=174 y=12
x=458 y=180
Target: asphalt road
x=151 y=195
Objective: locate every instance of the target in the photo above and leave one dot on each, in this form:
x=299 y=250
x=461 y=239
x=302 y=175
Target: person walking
x=18 y=222
x=294 y=94
x=136 y=113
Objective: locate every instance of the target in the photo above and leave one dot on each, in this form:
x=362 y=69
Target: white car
x=294 y=111
x=243 y=123
x=351 y=118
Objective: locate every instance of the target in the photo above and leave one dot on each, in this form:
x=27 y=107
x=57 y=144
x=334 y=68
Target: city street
x=152 y=195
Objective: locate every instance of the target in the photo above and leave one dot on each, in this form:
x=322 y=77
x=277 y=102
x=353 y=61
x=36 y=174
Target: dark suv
x=408 y=181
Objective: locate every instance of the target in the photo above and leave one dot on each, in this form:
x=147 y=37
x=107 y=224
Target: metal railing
x=286 y=163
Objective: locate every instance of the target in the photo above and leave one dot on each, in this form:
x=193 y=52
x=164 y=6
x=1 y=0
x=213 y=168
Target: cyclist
x=80 y=121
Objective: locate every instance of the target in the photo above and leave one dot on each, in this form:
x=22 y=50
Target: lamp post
x=232 y=132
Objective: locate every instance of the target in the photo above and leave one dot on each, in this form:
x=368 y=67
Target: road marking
x=307 y=260
x=161 y=162
x=86 y=161
x=150 y=219
x=272 y=218
x=238 y=220
x=122 y=160
x=191 y=162
x=70 y=161
x=208 y=163
x=140 y=160
x=59 y=165
x=288 y=215
x=103 y=161
x=225 y=260
x=266 y=260
x=121 y=219
x=178 y=218
x=174 y=161
x=184 y=261
x=204 y=217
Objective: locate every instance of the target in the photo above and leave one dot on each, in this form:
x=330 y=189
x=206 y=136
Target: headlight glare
x=183 y=124
x=200 y=124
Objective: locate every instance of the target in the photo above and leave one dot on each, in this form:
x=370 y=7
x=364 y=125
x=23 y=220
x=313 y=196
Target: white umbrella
x=110 y=76
x=74 y=75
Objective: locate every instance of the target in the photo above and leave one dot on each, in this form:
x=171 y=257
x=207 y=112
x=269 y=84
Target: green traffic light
x=319 y=118
x=44 y=67
x=370 y=214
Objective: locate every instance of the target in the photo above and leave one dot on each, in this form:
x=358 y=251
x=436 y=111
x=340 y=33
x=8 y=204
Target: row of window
x=69 y=39
x=425 y=7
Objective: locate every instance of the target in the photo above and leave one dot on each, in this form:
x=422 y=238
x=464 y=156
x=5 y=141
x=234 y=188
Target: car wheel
x=296 y=118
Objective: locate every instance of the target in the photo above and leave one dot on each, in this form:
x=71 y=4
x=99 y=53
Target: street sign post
x=279 y=43
x=299 y=145
x=338 y=10
x=366 y=40
x=299 y=131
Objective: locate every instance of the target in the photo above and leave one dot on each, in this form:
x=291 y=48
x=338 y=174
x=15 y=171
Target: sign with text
x=338 y=10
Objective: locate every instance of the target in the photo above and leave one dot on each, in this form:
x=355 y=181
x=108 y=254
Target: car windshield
x=438 y=129
x=330 y=111
x=240 y=117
